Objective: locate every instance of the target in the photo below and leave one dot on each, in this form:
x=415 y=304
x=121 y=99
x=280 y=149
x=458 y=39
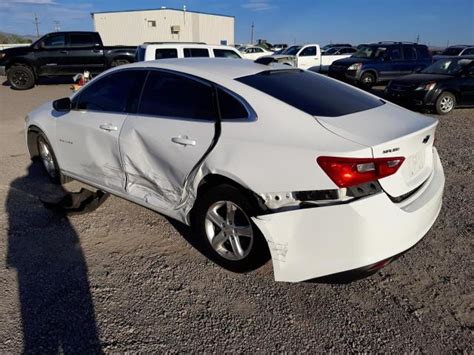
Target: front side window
x=469 y=51
x=230 y=107
x=81 y=40
x=196 y=52
x=116 y=92
x=311 y=93
x=225 y=53
x=164 y=53
x=55 y=41
x=171 y=95
x=308 y=52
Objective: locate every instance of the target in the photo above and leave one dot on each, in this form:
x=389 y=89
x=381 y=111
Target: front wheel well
x=32 y=138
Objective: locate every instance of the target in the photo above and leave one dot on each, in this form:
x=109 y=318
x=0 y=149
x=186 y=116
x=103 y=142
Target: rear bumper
x=320 y=241
x=3 y=71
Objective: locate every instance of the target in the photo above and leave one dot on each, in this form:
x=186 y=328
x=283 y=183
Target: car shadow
x=57 y=311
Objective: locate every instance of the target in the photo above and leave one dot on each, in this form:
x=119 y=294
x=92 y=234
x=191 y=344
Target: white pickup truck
x=307 y=57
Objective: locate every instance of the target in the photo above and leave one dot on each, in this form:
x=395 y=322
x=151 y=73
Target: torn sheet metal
x=313 y=242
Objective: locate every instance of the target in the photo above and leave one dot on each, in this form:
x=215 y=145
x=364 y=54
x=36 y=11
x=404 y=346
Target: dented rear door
x=167 y=139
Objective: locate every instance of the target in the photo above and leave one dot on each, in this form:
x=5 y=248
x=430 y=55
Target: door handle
x=183 y=140
x=64 y=52
x=108 y=127
x=97 y=50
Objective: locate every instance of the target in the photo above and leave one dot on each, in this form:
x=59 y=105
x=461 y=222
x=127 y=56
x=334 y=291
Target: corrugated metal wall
x=135 y=27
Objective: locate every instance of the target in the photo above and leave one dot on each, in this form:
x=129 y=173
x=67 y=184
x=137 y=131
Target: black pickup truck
x=60 y=53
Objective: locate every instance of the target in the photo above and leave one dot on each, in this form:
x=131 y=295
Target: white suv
x=152 y=51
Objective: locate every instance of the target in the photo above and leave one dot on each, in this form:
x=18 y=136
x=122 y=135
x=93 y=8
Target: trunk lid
x=391 y=131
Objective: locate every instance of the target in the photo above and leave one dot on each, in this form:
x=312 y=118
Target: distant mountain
x=6 y=37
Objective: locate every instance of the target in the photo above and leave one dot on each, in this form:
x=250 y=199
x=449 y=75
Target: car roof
x=214 y=69
x=186 y=45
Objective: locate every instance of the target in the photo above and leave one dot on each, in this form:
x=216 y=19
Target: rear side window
x=164 y=53
x=81 y=40
x=230 y=107
x=196 y=52
x=225 y=53
x=116 y=92
x=394 y=53
x=409 y=53
x=171 y=95
x=311 y=93
x=423 y=52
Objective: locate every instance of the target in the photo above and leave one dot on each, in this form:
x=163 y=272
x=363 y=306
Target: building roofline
x=160 y=9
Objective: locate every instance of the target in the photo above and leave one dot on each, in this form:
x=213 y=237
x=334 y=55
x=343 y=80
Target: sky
x=436 y=22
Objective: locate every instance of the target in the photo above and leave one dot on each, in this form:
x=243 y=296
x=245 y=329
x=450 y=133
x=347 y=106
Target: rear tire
x=445 y=103
x=222 y=220
x=21 y=77
x=367 y=80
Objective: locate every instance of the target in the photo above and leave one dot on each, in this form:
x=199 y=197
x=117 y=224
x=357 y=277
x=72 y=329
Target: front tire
x=21 y=77
x=48 y=159
x=445 y=103
x=223 y=222
x=367 y=80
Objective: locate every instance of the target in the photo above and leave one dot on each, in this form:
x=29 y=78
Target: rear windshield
x=311 y=93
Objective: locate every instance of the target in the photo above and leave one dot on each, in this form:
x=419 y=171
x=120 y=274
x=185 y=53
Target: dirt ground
x=123 y=278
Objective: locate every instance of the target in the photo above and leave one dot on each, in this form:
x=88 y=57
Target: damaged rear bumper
x=314 y=242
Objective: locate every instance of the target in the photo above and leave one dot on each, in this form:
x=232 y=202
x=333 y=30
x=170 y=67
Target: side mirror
x=62 y=105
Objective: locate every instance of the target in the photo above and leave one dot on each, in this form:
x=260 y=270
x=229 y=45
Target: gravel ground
x=123 y=278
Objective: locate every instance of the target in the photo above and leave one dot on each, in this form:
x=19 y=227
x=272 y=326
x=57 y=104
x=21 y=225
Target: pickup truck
x=308 y=56
x=58 y=54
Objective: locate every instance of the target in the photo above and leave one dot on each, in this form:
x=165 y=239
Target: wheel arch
x=213 y=179
x=23 y=61
x=370 y=71
x=31 y=140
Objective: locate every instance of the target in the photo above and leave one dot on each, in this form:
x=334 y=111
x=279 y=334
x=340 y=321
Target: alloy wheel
x=229 y=230
x=446 y=104
x=47 y=158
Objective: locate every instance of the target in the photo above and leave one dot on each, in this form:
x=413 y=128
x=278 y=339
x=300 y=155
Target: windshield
x=292 y=50
x=452 y=51
x=369 y=52
x=444 y=67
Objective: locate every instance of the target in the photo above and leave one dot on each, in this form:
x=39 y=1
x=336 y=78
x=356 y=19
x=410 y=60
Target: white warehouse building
x=163 y=25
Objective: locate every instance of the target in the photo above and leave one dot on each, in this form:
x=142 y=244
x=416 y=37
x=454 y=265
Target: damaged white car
x=256 y=157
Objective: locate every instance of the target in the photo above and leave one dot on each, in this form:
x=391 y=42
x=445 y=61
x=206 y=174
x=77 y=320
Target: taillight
x=346 y=172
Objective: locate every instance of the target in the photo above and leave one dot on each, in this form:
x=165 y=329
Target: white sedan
x=257 y=158
x=254 y=52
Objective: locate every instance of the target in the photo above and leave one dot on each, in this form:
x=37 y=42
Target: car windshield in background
x=311 y=93
x=444 y=67
x=331 y=50
x=292 y=50
x=452 y=51
x=369 y=52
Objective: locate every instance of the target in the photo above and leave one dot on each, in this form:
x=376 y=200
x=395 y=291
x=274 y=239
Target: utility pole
x=56 y=26
x=251 y=34
x=418 y=39
x=37 y=27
